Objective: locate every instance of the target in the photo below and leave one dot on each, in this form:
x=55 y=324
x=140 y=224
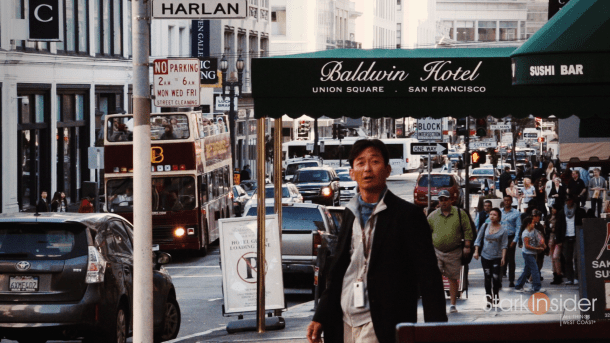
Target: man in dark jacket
x=505 y=179
x=42 y=205
x=384 y=259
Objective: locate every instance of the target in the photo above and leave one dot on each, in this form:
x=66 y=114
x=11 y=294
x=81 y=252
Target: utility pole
x=467 y=165
x=143 y=274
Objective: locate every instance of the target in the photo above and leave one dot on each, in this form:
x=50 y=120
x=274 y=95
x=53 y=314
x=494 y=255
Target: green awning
x=408 y=83
x=572 y=48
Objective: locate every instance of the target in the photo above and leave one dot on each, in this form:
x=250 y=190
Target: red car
x=439 y=182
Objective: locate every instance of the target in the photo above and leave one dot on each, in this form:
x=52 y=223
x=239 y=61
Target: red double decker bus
x=191 y=176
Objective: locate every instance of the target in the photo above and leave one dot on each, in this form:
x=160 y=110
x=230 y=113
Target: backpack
x=466 y=258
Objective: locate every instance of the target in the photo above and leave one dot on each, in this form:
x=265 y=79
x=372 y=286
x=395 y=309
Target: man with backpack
x=452 y=237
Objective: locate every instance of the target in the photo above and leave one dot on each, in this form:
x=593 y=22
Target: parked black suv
x=70 y=275
x=319 y=185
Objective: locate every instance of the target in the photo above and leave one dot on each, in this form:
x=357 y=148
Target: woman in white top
x=529 y=192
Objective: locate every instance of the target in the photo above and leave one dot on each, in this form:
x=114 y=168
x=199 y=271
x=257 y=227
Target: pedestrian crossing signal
x=477 y=158
x=540 y=139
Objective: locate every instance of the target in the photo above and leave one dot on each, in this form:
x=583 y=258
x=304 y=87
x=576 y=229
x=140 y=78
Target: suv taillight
x=96 y=266
x=317 y=241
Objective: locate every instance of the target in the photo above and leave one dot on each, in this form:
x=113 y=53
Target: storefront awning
x=408 y=83
x=572 y=48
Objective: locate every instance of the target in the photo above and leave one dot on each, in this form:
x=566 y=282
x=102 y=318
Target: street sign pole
x=142 y=273
x=429 y=181
x=466 y=166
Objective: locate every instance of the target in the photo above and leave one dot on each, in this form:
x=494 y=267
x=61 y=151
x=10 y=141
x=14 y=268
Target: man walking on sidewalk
x=385 y=259
x=511 y=221
x=482 y=216
x=450 y=225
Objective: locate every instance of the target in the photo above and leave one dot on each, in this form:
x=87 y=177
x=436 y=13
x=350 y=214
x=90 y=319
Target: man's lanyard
x=366 y=246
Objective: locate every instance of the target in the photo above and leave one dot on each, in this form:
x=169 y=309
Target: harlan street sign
x=500 y=126
x=176 y=82
x=429 y=129
x=482 y=145
x=432 y=148
x=191 y=9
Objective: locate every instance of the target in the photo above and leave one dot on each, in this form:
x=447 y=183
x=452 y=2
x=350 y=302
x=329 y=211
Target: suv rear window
x=292 y=168
x=270 y=192
x=38 y=241
x=313 y=176
x=297 y=218
x=437 y=181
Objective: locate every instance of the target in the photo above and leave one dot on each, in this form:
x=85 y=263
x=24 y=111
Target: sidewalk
x=472 y=309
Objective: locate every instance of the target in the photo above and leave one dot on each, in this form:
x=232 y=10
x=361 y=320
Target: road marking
x=184 y=276
x=181 y=267
x=309 y=303
x=195 y=335
x=215 y=299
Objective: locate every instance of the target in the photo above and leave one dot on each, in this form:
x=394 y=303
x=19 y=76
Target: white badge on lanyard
x=359 y=294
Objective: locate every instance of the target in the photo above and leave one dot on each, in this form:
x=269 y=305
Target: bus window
x=210 y=186
x=166 y=127
x=120 y=129
x=215 y=183
x=396 y=151
x=203 y=189
x=226 y=179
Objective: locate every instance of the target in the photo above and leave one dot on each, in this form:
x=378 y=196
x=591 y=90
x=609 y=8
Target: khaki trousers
x=360 y=334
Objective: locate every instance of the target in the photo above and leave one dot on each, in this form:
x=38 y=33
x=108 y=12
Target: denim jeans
x=530 y=268
x=491 y=271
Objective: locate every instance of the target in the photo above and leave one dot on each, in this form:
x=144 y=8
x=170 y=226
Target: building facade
x=482 y=22
x=54 y=95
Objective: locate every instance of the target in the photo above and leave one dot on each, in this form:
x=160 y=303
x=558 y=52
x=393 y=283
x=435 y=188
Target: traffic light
x=481 y=127
x=460 y=128
x=540 y=139
x=303 y=129
x=335 y=131
x=340 y=131
x=477 y=158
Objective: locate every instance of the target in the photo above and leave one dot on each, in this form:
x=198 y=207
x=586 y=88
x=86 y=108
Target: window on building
x=398 y=35
x=278 y=22
x=76 y=32
x=264 y=50
x=465 y=31
x=508 y=30
x=487 y=31
x=108 y=26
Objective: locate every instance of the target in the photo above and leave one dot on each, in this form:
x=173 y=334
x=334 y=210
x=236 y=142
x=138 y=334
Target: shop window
x=508 y=30
x=465 y=31
x=487 y=31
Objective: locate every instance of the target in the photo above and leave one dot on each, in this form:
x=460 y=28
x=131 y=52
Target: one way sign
x=425 y=148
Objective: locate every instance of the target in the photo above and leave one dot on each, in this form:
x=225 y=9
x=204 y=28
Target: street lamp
x=230 y=87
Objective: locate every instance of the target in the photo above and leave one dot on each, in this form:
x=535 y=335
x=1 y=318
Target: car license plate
x=308 y=201
x=23 y=283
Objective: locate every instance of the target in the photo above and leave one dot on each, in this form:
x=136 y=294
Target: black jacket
x=505 y=179
x=42 y=205
x=403 y=264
